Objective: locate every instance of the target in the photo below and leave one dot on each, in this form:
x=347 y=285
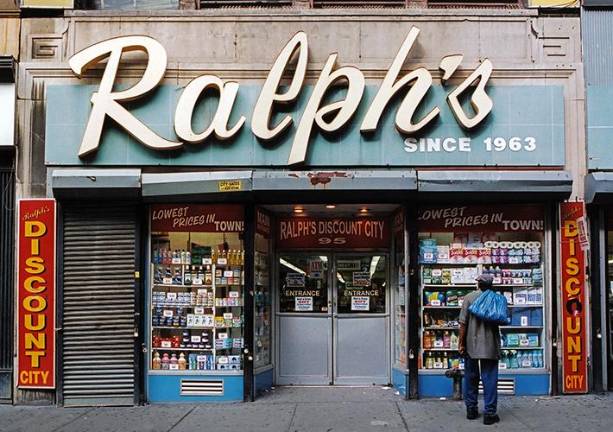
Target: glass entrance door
x=304 y=320
x=333 y=321
x=361 y=320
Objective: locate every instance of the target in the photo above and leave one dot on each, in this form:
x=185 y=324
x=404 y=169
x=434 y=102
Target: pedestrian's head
x=485 y=281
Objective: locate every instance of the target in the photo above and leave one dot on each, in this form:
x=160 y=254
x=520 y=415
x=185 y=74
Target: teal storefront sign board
x=600 y=127
x=525 y=128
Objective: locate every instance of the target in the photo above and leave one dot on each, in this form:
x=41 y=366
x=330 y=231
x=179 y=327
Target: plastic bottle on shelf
x=446 y=339
x=427 y=340
x=188 y=257
x=429 y=361
x=165 y=361
x=183 y=257
x=182 y=362
x=214 y=256
x=454 y=341
x=156 y=363
x=173 y=359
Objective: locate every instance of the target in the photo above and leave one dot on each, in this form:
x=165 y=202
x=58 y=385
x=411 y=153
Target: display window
x=609 y=296
x=197 y=288
x=400 y=306
x=456 y=244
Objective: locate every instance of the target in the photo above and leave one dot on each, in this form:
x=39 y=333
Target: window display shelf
x=182 y=349
x=501 y=371
x=473 y=286
x=183 y=328
x=525 y=305
x=176 y=305
x=519 y=327
x=442 y=307
x=508 y=348
x=464 y=264
x=442 y=328
x=162 y=285
x=195 y=372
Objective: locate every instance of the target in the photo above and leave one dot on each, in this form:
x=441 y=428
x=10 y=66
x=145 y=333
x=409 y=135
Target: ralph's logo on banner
x=36 y=294
x=574 y=303
x=328 y=117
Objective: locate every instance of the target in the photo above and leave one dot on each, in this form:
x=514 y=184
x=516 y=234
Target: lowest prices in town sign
x=574 y=301
x=36 y=293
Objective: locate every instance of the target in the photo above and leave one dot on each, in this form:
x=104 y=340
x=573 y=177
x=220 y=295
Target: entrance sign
x=304 y=304
x=328 y=118
x=360 y=303
x=313 y=233
x=574 y=302
x=36 y=293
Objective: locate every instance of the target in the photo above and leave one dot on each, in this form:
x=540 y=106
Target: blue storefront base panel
x=525 y=384
x=400 y=380
x=167 y=388
x=435 y=386
x=263 y=381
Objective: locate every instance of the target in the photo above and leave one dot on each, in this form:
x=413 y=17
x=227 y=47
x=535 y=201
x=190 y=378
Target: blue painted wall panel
x=264 y=381
x=399 y=381
x=525 y=385
x=522 y=111
x=600 y=126
x=166 y=389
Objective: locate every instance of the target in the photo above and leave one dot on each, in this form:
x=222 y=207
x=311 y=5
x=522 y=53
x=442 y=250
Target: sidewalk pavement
x=322 y=409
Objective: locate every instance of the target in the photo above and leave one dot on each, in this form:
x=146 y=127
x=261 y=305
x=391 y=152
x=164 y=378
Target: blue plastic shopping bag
x=492 y=307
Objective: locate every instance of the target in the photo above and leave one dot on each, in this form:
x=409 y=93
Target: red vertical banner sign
x=36 y=293
x=574 y=300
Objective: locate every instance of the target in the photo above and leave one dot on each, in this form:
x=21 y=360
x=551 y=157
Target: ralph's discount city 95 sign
x=36 y=294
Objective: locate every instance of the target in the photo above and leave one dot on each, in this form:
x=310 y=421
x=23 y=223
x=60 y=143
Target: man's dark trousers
x=489 y=376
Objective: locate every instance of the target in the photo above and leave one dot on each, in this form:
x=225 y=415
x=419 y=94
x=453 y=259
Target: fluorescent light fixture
x=298 y=210
x=340 y=278
x=330 y=206
x=373 y=264
x=291 y=266
x=323 y=258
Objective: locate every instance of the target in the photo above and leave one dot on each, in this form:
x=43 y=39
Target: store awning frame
x=123 y=184
x=277 y=186
x=460 y=185
x=599 y=188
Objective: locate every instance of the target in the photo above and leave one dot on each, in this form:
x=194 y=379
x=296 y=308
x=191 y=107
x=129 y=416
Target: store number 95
x=332 y=240
x=514 y=144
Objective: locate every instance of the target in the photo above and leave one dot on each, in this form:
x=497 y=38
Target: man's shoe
x=489 y=419
x=472 y=413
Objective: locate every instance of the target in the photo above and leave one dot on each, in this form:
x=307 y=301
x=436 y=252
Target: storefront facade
x=9 y=53
x=249 y=224
x=596 y=17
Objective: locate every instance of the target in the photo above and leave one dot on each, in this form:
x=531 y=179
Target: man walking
x=480 y=345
